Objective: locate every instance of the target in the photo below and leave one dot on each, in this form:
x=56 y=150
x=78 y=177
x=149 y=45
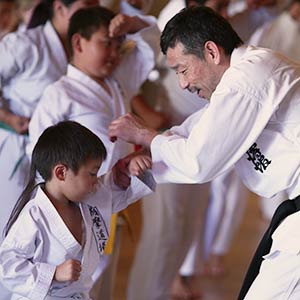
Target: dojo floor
x=224 y=288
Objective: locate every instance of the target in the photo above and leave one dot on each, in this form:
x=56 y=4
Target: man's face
x=194 y=74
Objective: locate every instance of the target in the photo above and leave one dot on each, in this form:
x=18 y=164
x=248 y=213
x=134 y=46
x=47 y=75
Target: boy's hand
x=120 y=173
x=68 y=271
x=122 y=24
x=139 y=164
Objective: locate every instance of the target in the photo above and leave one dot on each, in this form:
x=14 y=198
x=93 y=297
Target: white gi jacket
x=39 y=241
x=79 y=98
x=29 y=62
x=252 y=122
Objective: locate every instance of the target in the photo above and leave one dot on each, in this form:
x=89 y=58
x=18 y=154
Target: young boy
x=99 y=82
x=67 y=220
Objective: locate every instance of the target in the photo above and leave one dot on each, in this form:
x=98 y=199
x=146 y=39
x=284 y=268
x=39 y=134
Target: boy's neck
x=100 y=81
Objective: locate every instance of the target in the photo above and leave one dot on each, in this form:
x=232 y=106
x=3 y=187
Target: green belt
x=6 y=127
x=10 y=129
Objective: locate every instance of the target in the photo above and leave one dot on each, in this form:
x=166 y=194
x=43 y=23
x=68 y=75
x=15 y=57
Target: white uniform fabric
x=171 y=216
x=29 y=254
x=274 y=35
x=262 y=128
x=258 y=95
x=29 y=62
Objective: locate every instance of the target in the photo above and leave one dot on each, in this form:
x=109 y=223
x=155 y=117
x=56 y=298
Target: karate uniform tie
x=285 y=209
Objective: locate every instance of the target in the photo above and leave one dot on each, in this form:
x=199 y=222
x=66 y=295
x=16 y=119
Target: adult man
x=251 y=123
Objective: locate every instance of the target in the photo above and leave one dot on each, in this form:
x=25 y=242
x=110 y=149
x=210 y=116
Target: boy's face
x=79 y=185
x=99 y=56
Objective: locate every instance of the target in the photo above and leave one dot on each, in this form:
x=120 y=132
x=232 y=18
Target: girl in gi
x=54 y=241
x=30 y=61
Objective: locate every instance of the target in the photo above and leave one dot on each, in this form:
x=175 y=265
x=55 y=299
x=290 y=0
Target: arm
x=17 y=264
x=215 y=140
x=141 y=53
x=14 y=51
x=152 y=118
x=23 y=260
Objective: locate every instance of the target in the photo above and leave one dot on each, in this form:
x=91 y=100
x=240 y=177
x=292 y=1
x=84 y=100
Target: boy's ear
x=59 y=171
x=76 y=42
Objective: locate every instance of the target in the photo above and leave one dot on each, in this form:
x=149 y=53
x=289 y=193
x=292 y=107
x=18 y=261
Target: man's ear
x=76 y=41
x=212 y=52
x=59 y=171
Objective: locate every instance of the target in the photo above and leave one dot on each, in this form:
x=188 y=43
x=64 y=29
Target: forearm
x=137 y=24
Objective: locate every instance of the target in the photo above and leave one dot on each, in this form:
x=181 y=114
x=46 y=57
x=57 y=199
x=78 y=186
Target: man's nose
x=183 y=82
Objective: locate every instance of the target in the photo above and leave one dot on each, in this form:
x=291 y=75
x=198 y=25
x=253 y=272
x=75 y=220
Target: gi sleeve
x=19 y=272
x=217 y=139
x=16 y=52
x=140 y=60
x=120 y=199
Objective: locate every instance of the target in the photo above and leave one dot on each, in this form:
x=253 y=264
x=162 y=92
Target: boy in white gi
x=54 y=241
x=252 y=123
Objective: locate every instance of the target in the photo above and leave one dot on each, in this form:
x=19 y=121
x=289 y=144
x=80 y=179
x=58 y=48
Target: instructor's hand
x=131 y=129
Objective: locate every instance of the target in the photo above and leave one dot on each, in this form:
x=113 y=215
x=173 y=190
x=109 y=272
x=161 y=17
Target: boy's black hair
x=194 y=26
x=67 y=143
x=87 y=21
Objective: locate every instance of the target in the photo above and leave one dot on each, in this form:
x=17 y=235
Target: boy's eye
x=93 y=174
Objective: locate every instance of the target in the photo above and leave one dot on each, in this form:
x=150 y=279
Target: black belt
x=285 y=209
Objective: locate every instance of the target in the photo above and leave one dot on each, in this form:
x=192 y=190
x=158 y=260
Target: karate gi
x=29 y=62
x=39 y=241
x=274 y=35
x=258 y=132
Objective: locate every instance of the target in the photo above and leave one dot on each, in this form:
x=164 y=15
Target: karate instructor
x=252 y=122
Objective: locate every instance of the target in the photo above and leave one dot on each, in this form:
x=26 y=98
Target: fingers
x=139 y=164
x=68 y=271
x=118 y=25
x=120 y=174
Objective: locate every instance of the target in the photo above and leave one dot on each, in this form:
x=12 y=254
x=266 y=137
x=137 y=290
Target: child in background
x=99 y=82
x=54 y=241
